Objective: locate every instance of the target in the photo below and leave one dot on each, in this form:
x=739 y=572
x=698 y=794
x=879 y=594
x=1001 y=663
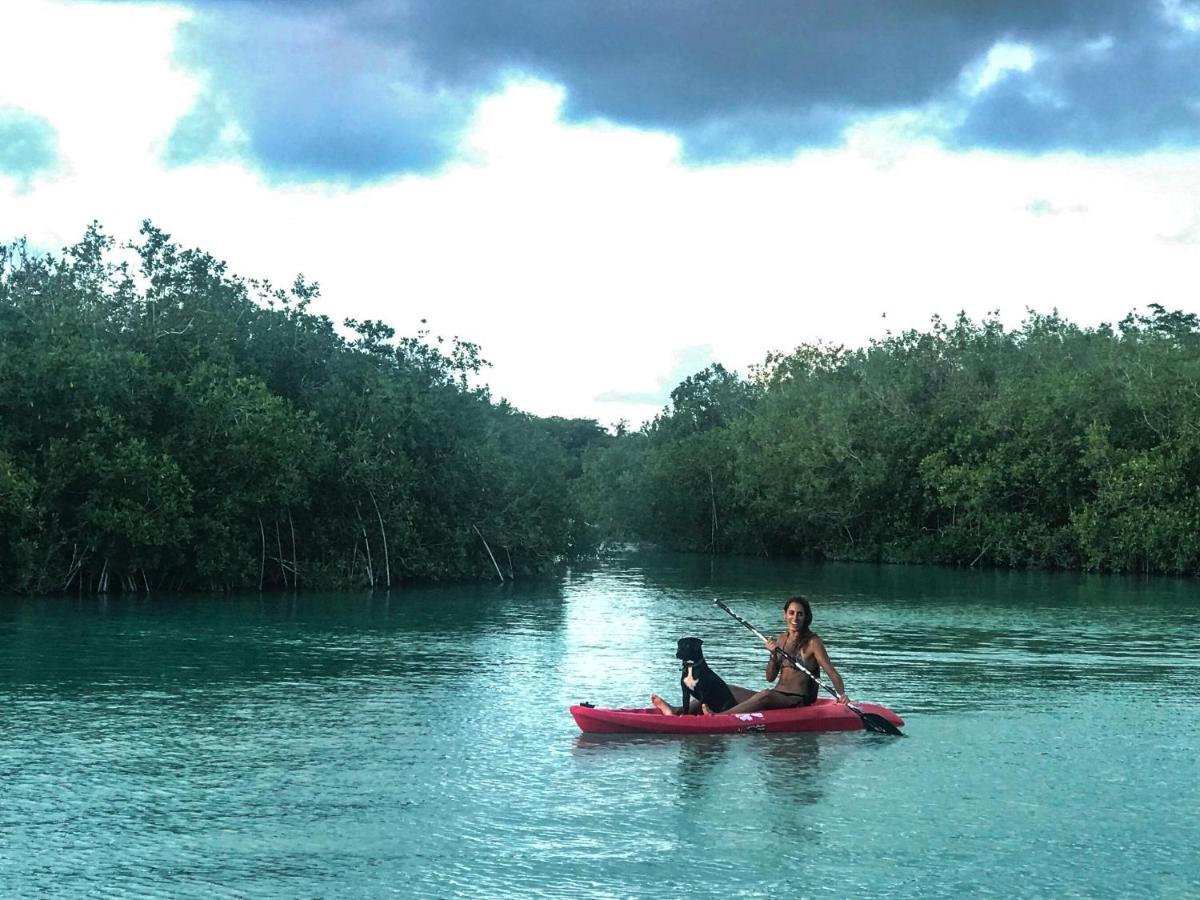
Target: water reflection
x=904 y=587
x=792 y=767
x=89 y=645
x=699 y=756
x=784 y=767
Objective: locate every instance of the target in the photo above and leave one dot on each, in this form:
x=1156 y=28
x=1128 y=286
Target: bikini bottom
x=801 y=699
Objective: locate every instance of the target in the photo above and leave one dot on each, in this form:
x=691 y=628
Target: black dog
x=699 y=681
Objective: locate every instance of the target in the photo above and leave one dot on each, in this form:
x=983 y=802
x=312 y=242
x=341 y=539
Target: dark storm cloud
x=1126 y=93
x=28 y=144
x=307 y=96
x=361 y=89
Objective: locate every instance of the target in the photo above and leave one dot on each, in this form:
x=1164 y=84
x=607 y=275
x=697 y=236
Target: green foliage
x=1051 y=445
x=164 y=423
x=19 y=521
x=169 y=424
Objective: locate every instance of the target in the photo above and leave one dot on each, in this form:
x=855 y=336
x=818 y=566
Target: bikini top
x=810 y=662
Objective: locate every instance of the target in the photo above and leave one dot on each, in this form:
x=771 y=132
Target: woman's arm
x=818 y=649
x=773 y=660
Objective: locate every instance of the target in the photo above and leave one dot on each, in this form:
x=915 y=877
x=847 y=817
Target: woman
x=794 y=687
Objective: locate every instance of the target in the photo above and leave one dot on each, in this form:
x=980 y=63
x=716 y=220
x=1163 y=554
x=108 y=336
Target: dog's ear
x=688 y=648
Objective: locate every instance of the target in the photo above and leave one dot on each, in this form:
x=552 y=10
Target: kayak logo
x=748 y=717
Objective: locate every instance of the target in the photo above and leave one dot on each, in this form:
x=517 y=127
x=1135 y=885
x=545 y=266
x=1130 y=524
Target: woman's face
x=794 y=616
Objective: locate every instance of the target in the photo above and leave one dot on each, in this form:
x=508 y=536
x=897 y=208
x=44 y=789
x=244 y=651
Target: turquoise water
x=420 y=745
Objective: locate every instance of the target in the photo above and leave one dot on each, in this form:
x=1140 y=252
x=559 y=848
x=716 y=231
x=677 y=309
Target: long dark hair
x=803 y=601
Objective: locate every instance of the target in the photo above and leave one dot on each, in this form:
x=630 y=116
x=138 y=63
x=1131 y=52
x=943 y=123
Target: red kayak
x=822 y=715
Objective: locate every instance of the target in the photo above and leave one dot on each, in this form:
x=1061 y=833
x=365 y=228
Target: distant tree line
x=1051 y=445
x=165 y=424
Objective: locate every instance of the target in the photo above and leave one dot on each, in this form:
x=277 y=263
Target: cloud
x=1040 y=206
x=28 y=145
x=1187 y=236
x=688 y=361
x=307 y=97
x=1114 y=93
x=364 y=89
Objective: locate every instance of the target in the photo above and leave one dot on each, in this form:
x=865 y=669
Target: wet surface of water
x=420 y=745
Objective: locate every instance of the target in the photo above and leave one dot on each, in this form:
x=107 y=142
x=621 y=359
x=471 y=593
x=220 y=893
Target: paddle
x=871 y=721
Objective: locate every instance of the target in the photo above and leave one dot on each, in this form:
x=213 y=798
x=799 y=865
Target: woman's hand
x=771 y=645
x=843 y=699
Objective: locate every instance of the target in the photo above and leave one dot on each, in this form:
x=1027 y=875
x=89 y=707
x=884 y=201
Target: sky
x=610 y=195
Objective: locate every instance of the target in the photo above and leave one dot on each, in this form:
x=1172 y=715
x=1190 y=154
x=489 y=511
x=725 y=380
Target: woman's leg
x=740 y=694
x=770 y=699
x=753 y=703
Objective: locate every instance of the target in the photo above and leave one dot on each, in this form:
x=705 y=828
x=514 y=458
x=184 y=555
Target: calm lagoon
x=418 y=744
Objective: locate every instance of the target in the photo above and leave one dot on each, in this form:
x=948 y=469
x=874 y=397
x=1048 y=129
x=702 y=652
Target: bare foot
x=705 y=710
x=662 y=705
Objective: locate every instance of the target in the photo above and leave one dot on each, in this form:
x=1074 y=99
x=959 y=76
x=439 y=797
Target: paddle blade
x=878 y=724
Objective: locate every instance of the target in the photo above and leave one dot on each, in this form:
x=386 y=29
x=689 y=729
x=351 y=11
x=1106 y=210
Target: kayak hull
x=823 y=715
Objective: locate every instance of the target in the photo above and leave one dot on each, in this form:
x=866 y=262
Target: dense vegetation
x=1052 y=445
x=165 y=424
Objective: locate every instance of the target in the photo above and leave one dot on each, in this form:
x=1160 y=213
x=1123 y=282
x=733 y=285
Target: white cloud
x=1002 y=59
x=1182 y=14
x=101 y=72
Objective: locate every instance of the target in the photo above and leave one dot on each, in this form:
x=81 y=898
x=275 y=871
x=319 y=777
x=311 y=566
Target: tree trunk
x=76 y=564
x=712 y=493
x=279 y=546
x=387 y=567
x=295 y=561
x=367 y=543
x=489 y=553
x=262 y=566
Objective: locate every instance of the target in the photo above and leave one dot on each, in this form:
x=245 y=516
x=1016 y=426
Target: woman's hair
x=803 y=601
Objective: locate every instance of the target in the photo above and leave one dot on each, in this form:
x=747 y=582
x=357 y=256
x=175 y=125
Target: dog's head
x=689 y=649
